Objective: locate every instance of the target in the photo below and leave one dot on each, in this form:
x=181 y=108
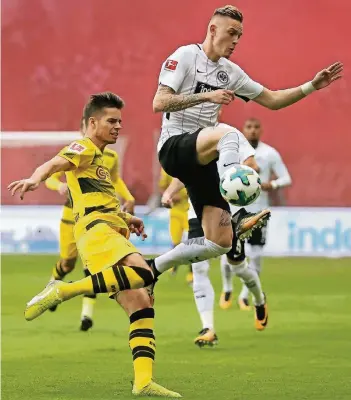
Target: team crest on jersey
x=76 y=148
x=101 y=172
x=223 y=77
x=171 y=65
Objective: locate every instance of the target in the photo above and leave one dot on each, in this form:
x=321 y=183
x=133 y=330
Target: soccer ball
x=240 y=185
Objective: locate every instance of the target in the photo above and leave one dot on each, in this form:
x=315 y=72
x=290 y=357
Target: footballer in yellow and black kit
x=94 y=200
x=68 y=248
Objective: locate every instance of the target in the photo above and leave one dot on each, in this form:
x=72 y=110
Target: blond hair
x=229 y=11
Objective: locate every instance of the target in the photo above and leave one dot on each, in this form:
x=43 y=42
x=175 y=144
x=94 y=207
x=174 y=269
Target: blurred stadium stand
x=55 y=55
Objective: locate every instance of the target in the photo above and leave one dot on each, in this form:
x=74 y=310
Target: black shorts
x=236 y=253
x=178 y=158
x=258 y=237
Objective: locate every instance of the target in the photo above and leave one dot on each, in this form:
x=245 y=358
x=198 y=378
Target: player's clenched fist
x=24 y=185
x=221 y=96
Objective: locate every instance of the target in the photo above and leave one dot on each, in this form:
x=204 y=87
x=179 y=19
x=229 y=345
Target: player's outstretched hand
x=24 y=185
x=328 y=75
x=221 y=96
x=136 y=225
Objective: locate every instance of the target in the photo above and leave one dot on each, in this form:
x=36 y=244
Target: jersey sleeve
x=54 y=181
x=78 y=153
x=243 y=86
x=175 y=68
x=280 y=170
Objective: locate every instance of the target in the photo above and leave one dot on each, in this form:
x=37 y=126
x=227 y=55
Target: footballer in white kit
x=270 y=164
x=195 y=81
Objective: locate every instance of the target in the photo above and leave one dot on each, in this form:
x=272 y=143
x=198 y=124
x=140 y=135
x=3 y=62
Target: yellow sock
x=57 y=272
x=142 y=344
x=112 y=279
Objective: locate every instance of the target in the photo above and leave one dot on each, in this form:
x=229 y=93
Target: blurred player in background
x=270 y=163
x=101 y=232
x=178 y=216
x=68 y=247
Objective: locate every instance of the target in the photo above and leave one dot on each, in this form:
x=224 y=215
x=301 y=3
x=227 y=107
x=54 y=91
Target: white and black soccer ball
x=240 y=185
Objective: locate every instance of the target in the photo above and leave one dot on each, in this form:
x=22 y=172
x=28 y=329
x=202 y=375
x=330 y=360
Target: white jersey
x=245 y=151
x=270 y=162
x=188 y=71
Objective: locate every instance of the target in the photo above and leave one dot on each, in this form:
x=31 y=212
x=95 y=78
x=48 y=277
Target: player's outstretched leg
x=204 y=300
x=88 y=305
x=112 y=279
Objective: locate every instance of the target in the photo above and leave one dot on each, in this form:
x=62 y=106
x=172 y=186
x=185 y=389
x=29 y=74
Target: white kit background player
x=270 y=164
x=194 y=82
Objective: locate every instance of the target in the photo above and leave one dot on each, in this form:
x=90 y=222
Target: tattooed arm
x=166 y=100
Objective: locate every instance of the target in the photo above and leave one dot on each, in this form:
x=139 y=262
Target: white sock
x=256 y=264
x=251 y=279
x=188 y=252
x=203 y=293
x=88 y=307
x=228 y=149
x=227 y=274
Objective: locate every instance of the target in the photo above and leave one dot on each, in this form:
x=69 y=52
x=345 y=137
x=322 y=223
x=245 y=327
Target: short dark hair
x=231 y=12
x=99 y=101
x=253 y=119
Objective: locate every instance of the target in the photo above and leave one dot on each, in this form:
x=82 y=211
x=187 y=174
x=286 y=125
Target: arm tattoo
x=225 y=219
x=176 y=102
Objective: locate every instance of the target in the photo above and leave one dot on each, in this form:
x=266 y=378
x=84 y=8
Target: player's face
x=252 y=131
x=226 y=36
x=107 y=127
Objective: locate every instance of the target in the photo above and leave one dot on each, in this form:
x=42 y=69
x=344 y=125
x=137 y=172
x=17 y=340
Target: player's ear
x=213 y=29
x=92 y=122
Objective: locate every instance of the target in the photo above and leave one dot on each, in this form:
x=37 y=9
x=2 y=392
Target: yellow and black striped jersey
x=90 y=184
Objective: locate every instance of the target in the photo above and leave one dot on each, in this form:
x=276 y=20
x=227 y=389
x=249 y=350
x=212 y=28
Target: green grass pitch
x=304 y=353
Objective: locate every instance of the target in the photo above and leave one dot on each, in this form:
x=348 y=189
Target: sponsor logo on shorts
x=223 y=77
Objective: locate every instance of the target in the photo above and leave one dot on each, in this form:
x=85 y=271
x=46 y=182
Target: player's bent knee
x=207 y=144
x=134 y=300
